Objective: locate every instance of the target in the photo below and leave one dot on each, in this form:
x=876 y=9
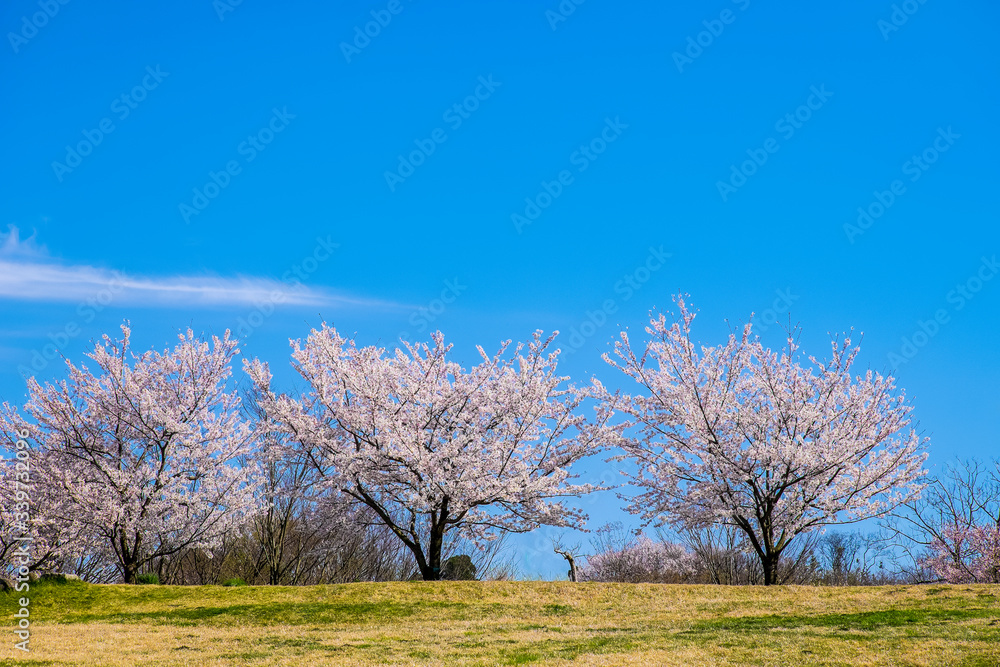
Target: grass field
x=507 y=623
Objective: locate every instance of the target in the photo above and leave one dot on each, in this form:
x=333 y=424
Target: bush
x=459 y=568
x=235 y=581
x=642 y=561
x=150 y=578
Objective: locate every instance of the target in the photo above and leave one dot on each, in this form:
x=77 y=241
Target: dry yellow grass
x=509 y=623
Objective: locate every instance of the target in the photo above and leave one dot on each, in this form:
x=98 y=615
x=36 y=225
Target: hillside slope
x=507 y=623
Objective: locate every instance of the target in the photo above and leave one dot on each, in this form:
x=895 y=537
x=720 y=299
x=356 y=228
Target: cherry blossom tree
x=744 y=436
x=143 y=453
x=966 y=555
x=432 y=449
x=952 y=532
x=623 y=556
x=38 y=529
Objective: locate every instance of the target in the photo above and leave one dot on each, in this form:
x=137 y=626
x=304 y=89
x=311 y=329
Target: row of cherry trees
x=148 y=455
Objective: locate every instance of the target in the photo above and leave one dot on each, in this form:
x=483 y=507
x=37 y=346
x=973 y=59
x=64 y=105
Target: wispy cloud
x=28 y=274
x=12 y=245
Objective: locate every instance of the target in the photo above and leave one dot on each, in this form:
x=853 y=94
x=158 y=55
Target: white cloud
x=27 y=274
x=11 y=244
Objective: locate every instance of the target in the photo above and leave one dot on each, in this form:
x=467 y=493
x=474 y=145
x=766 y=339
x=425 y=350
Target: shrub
x=643 y=561
x=459 y=568
x=235 y=581
x=150 y=578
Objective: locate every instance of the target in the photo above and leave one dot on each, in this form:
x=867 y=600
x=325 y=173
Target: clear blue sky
x=622 y=132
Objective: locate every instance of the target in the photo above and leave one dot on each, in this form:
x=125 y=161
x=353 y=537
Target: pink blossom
x=143 y=457
x=966 y=555
x=431 y=447
x=643 y=561
x=742 y=435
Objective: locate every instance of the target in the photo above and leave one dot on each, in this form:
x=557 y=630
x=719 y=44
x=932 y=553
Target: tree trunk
x=129 y=558
x=764 y=545
x=571 y=559
x=430 y=566
x=432 y=571
x=769 y=563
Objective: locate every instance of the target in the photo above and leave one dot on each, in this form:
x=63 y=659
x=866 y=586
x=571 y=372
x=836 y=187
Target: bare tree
x=570 y=553
x=725 y=556
x=853 y=559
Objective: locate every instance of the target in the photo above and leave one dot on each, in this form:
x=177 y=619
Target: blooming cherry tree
x=953 y=530
x=642 y=561
x=432 y=449
x=38 y=527
x=143 y=453
x=966 y=554
x=744 y=436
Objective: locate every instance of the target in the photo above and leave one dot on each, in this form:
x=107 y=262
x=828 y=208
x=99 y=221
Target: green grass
x=508 y=623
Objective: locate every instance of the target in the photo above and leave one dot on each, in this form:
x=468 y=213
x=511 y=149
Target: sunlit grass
x=508 y=623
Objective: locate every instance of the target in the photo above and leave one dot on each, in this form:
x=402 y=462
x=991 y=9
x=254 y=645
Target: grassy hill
x=507 y=623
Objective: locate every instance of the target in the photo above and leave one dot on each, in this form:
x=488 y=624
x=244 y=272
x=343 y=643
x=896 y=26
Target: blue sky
x=176 y=165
